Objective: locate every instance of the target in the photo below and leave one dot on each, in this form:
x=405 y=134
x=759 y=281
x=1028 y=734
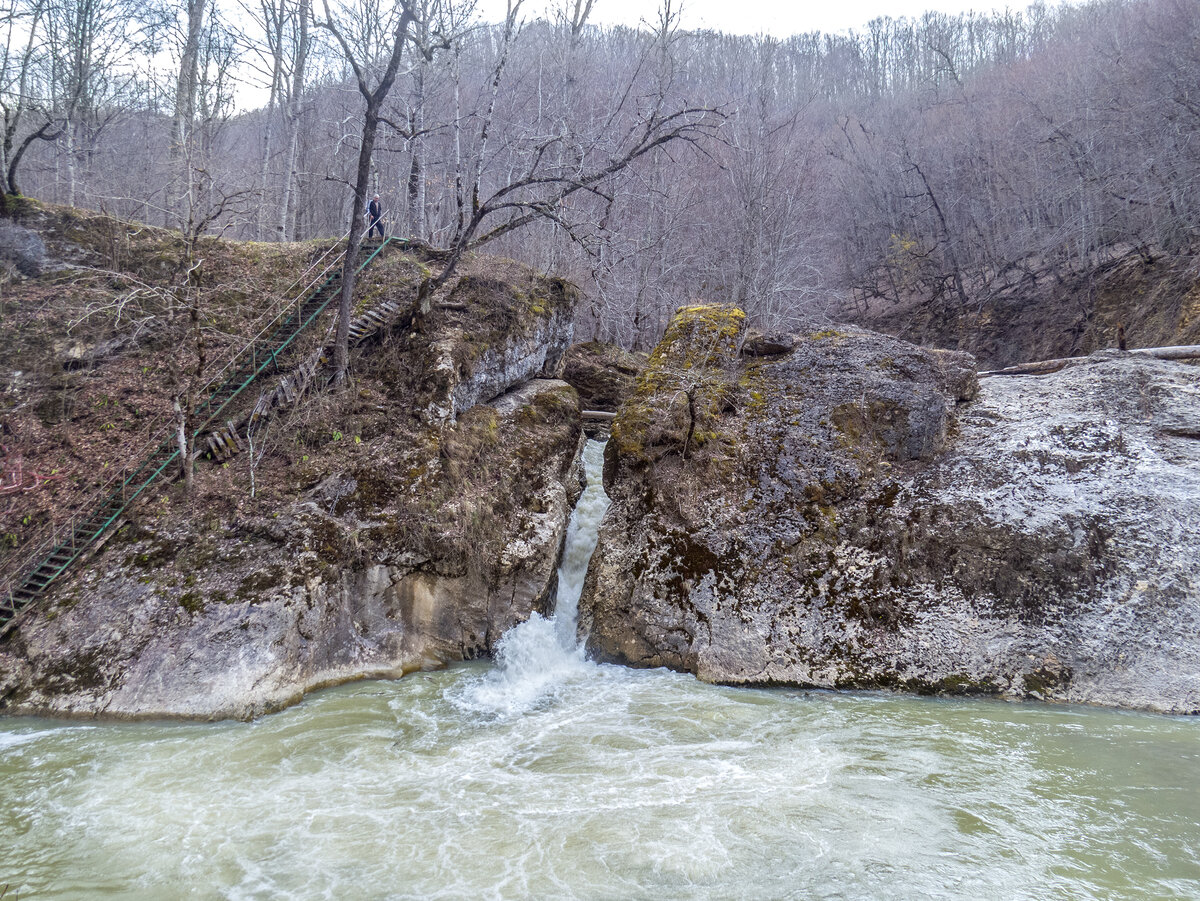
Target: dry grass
x=95 y=348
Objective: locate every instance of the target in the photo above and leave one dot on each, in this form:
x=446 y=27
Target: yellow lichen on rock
x=688 y=382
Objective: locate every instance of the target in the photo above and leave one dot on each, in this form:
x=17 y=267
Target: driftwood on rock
x=1045 y=367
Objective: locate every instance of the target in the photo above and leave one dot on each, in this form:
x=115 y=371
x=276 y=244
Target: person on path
x=374 y=212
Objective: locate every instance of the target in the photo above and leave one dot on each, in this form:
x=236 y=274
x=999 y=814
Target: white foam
x=13 y=739
x=530 y=665
x=539 y=657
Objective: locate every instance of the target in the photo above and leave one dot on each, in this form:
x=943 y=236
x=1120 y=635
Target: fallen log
x=598 y=415
x=1045 y=367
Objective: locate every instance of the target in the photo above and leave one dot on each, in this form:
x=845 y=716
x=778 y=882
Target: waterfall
x=539 y=656
x=582 y=533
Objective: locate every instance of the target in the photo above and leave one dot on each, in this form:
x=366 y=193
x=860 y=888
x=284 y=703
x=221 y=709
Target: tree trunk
x=459 y=199
x=341 y=355
x=183 y=441
x=69 y=135
x=292 y=111
x=265 y=172
x=418 y=149
x=185 y=106
x=274 y=18
x=414 y=177
x=374 y=99
x=12 y=116
x=1047 y=367
x=42 y=133
x=285 y=227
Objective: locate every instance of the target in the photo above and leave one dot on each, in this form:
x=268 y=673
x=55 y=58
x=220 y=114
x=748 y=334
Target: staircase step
x=258 y=356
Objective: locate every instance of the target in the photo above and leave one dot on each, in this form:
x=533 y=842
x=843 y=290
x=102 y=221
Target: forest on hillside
x=947 y=157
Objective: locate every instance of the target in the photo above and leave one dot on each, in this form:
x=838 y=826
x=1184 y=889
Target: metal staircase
x=225 y=440
x=25 y=576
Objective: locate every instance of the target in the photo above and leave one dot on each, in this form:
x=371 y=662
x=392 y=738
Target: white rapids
x=538 y=657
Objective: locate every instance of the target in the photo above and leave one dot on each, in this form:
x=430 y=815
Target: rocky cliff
x=1047 y=314
x=856 y=512
x=603 y=374
x=402 y=523
x=415 y=557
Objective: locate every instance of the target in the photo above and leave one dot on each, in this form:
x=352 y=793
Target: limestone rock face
x=861 y=513
x=411 y=563
x=22 y=248
x=603 y=374
x=496 y=335
x=400 y=524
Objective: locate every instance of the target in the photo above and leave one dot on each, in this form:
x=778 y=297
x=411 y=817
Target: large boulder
x=423 y=554
x=850 y=515
x=603 y=374
x=401 y=523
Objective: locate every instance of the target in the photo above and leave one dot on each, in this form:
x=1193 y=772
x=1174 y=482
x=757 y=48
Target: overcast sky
x=777 y=17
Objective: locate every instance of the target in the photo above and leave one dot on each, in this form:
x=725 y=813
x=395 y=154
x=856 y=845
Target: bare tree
x=85 y=78
x=20 y=18
x=936 y=157
x=364 y=35
x=186 y=85
x=281 y=61
x=300 y=46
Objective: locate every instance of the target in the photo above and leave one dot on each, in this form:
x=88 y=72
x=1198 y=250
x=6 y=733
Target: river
x=546 y=776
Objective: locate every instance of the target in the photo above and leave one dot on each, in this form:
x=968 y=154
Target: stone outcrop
x=21 y=248
x=757 y=345
x=603 y=374
x=493 y=335
x=402 y=524
x=425 y=557
x=850 y=514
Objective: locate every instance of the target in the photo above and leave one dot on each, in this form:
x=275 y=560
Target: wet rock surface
x=853 y=515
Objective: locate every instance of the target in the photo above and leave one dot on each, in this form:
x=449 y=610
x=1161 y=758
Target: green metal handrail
x=38 y=577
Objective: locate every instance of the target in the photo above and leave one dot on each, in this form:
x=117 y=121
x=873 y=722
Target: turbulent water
x=545 y=776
